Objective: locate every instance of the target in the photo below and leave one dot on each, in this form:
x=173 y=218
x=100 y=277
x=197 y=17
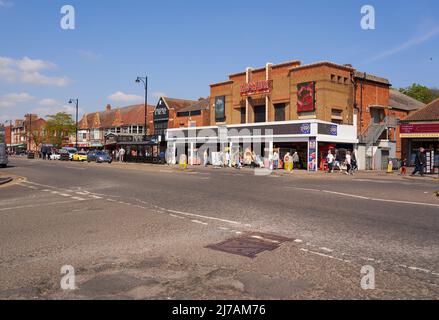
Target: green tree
x=58 y=127
x=419 y=92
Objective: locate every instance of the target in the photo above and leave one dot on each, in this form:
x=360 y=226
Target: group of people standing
x=118 y=155
x=348 y=165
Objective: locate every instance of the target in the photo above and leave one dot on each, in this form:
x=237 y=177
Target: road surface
x=142 y=232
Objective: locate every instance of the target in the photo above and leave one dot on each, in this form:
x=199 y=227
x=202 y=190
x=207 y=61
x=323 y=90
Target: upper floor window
x=279 y=112
x=220 y=109
x=337 y=116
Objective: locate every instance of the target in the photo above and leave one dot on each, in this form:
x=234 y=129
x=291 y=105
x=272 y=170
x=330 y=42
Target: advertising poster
x=306 y=97
x=312 y=154
x=220 y=110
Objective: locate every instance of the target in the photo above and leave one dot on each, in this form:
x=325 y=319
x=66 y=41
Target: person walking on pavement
x=296 y=160
x=420 y=162
x=121 y=154
x=330 y=161
x=206 y=158
x=348 y=163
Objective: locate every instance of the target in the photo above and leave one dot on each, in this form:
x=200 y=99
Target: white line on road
x=367 y=198
x=204 y=217
x=36 y=205
x=200 y=222
x=324 y=255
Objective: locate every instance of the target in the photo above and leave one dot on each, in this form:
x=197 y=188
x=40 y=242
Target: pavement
x=134 y=231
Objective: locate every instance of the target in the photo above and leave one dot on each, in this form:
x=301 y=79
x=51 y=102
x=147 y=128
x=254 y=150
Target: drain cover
x=250 y=245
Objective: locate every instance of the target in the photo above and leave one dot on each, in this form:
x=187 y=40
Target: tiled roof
x=399 y=100
x=202 y=104
x=131 y=115
x=428 y=113
x=371 y=77
x=178 y=104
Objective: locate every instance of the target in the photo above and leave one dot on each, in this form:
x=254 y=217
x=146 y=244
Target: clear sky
x=185 y=45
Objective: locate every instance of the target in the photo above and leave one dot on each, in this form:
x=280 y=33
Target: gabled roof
x=202 y=104
x=177 y=104
x=428 y=113
x=400 y=101
x=131 y=115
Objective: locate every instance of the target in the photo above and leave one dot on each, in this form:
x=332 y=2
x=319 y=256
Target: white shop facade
x=311 y=139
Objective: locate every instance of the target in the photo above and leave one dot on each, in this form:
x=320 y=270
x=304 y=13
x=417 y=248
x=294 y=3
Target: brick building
x=421 y=129
x=110 y=127
x=28 y=133
x=325 y=104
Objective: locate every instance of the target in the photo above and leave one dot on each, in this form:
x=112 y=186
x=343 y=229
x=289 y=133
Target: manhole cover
x=251 y=244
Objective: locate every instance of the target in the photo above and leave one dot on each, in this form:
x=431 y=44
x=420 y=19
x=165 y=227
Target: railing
x=375 y=130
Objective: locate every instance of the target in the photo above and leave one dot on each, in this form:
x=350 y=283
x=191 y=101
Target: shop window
x=220 y=109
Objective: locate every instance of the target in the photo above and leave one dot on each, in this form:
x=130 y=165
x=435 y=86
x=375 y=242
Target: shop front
x=261 y=141
x=137 y=148
x=421 y=135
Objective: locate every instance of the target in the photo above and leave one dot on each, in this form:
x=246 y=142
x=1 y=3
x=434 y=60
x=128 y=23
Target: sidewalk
x=380 y=175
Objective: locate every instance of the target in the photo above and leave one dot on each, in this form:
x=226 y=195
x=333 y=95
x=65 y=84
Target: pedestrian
x=404 y=167
x=354 y=163
x=49 y=153
x=330 y=161
x=205 y=158
x=275 y=160
x=121 y=154
x=348 y=162
x=420 y=162
x=287 y=161
x=296 y=161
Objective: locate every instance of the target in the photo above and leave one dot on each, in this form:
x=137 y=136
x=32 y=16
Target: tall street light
x=76 y=127
x=144 y=80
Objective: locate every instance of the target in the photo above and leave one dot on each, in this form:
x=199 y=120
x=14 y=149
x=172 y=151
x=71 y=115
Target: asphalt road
x=140 y=232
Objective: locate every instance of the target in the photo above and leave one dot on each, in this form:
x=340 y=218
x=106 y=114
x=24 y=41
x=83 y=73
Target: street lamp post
x=76 y=126
x=144 y=80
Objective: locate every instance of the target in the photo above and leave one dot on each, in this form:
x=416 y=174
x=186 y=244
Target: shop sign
x=328 y=129
x=419 y=128
x=312 y=154
x=306 y=97
x=256 y=87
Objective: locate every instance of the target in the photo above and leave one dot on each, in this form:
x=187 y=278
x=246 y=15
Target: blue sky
x=184 y=45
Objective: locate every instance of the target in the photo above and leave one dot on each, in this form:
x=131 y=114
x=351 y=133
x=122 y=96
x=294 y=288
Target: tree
x=58 y=127
x=420 y=93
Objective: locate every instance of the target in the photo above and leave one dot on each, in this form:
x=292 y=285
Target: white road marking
x=265 y=239
x=36 y=205
x=95 y=197
x=204 y=217
x=65 y=195
x=326 y=249
x=368 y=198
x=324 y=255
x=175 y=216
x=199 y=222
x=78 y=198
x=298 y=241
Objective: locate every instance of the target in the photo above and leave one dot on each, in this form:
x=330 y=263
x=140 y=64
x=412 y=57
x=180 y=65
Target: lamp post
x=10 y=135
x=144 y=80
x=76 y=124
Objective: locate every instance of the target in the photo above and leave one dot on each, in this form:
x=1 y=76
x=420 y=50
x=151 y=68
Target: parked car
x=99 y=157
x=80 y=156
x=67 y=153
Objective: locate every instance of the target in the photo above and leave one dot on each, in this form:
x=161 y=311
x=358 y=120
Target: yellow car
x=80 y=156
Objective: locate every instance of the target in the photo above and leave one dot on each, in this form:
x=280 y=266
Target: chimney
x=108 y=107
